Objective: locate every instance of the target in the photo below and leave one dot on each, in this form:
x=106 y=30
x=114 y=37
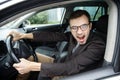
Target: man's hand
x=23 y=66
x=26 y=66
x=17 y=35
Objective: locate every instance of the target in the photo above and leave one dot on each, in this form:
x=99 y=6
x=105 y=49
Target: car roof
x=24 y=5
x=7 y=3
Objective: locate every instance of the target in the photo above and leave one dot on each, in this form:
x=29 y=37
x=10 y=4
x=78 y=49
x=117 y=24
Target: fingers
x=20 y=71
x=23 y=66
x=16 y=65
x=18 y=68
x=12 y=33
x=23 y=60
x=16 y=35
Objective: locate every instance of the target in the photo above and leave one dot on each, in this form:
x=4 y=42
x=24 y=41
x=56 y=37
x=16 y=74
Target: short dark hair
x=79 y=13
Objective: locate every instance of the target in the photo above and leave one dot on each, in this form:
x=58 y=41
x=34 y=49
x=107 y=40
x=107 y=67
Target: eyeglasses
x=83 y=27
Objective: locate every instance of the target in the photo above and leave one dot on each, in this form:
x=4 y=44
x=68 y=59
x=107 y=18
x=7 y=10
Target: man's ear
x=90 y=25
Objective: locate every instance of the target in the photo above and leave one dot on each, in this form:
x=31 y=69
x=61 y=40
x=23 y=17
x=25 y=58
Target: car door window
x=47 y=17
x=95 y=11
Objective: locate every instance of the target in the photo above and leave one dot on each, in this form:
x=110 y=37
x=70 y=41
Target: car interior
x=99 y=10
x=59 y=50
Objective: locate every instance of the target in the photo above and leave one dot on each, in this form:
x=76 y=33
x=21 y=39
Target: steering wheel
x=19 y=49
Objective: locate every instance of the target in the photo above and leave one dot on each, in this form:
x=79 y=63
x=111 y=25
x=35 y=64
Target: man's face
x=80 y=29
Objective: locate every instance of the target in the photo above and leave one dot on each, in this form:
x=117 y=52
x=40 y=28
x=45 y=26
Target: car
x=52 y=15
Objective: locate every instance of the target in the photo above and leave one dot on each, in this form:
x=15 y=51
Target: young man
x=85 y=50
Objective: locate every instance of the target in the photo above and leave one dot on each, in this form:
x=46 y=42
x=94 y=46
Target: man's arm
x=39 y=36
x=49 y=36
x=28 y=36
x=18 y=35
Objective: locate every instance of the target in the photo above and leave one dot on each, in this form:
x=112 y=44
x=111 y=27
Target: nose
x=79 y=31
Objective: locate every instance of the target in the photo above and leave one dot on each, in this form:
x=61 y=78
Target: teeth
x=81 y=37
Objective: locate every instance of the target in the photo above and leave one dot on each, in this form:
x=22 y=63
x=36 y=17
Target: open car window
x=44 y=18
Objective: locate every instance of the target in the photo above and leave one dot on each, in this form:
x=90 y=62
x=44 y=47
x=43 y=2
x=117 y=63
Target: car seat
x=101 y=27
x=59 y=52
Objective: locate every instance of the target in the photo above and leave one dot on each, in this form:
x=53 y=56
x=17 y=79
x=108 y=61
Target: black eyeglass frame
x=83 y=27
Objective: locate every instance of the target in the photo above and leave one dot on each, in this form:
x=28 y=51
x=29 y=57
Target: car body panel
x=111 y=65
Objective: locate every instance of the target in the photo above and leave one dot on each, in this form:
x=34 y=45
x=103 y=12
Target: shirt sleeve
x=49 y=36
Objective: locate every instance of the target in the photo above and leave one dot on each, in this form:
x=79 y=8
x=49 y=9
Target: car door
x=49 y=20
x=46 y=20
x=111 y=64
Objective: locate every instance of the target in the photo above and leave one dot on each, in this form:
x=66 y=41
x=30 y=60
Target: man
x=85 y=51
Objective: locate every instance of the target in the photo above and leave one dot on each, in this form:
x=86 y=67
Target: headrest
x=102 y=24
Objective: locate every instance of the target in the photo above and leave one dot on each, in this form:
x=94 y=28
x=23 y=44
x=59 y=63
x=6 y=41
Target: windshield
x=17 y=22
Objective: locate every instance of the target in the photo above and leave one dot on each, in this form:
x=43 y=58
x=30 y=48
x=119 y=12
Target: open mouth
x=81 y=39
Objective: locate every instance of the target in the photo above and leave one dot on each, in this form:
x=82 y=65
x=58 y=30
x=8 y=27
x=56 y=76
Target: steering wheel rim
x=11 y=50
